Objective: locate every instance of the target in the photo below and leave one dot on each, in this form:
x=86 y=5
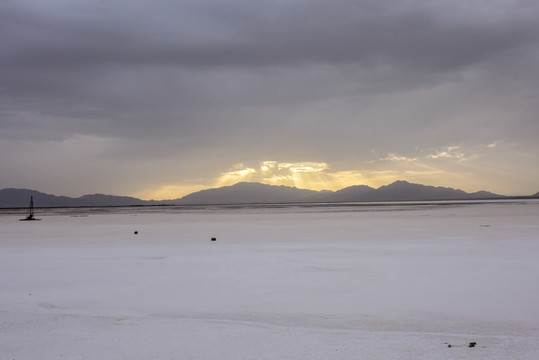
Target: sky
x=157 y=99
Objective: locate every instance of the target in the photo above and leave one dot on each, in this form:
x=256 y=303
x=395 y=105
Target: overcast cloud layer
x=138 y=97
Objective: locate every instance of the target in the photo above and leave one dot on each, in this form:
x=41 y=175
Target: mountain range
x=252 y=193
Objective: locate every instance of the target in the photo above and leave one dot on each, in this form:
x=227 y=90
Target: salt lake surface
x=344 y=281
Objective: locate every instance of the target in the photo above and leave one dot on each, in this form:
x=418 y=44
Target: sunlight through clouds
x=449 y=152
x=444 y=166
x=395 y=157
x=318 y=175
x=239 y=173
x=309 y=175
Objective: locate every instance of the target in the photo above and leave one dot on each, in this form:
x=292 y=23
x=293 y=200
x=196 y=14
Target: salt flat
x=293 y=282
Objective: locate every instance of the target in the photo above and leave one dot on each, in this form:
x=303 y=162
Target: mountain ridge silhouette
x=253 y=192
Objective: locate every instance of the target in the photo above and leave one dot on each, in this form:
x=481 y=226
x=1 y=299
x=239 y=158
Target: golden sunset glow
x=307 y=175
x=318 y=176
x=167 y=192
x=444 y=166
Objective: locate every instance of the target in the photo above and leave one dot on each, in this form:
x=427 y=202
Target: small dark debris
x=136 y=232
x=471 y=345
x=213 y=239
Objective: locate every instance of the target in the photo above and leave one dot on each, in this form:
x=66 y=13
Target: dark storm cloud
x=222 y=80
x=438 y=35
x=70 y=51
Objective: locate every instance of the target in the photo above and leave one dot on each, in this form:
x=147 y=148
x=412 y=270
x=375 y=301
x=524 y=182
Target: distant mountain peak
x=254 y=192
x=401 y=182
x=13 y=198
x=249 y=192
